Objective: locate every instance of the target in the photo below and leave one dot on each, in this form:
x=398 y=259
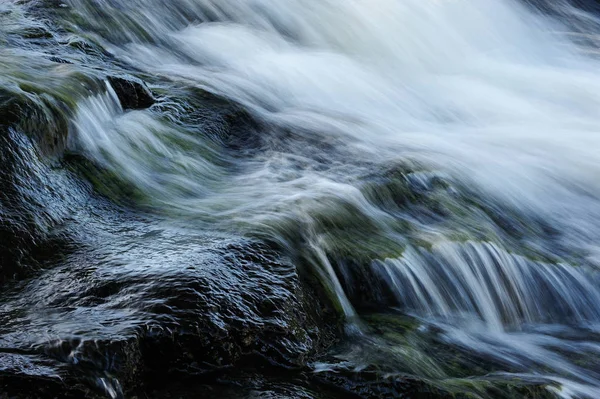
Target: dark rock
x=372 y=383
x=375 y=385
x=27 y=207
x=131 y=93
x=59 y=60
x=11 y=110
x=26 y=376
x=243 y=137
x=364 y=285
x=34 y=197
x=37 y=32
x=247 y=384
x=199 y=309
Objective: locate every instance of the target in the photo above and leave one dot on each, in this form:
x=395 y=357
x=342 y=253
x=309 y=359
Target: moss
x=105 y=182
x=362 y=249
x=394 y=323
x=401 y=344
x=496 y=388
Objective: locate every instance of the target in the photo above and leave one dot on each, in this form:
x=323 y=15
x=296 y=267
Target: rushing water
x=433 y=159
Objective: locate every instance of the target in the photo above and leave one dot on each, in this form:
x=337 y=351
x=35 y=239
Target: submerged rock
x=26 y=376
x=131 y=93
x=375 y=384
x=34 y=197
x=26 y=206
x=173 y=305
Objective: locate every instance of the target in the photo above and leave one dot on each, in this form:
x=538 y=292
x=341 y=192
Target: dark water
x=301 y=199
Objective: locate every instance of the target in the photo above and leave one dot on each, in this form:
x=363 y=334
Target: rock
x=373 y=383
x=26 y=376
x=131 y=93
x=59 y=60
x=34 y=197
x=248 y=384
x=203 y=306
x=27 y=207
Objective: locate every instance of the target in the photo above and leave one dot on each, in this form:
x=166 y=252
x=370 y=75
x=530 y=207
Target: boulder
x=172 y=306
x=132 y=94
x=34 y=196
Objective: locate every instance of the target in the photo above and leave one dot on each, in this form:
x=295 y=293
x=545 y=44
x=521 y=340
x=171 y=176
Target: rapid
x=434 y=163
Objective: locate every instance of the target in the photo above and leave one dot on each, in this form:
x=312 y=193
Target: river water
x=434 y=162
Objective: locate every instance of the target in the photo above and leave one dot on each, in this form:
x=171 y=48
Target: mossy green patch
x=106 y=182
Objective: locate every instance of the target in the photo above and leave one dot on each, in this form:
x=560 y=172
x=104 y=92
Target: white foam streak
x=483 y=279
x=486 y=91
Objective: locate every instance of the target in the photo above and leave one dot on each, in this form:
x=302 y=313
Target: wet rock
x=174 y=306
x=11 y=110
x=17 y=229
x=364 y=286
x=239 y=133
x=243 y=133
x=26 y=376
x=91 y=49
x=28 y=207
x=374 y=385
x=59 y=60
x=37 y=32
x=248 y=384
x=132 y=94
x=34 y=197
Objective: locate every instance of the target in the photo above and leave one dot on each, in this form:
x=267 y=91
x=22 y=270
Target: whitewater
x=435 y=160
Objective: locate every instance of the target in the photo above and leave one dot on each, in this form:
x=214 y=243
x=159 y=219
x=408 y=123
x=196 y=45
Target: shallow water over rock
x=259 y=198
